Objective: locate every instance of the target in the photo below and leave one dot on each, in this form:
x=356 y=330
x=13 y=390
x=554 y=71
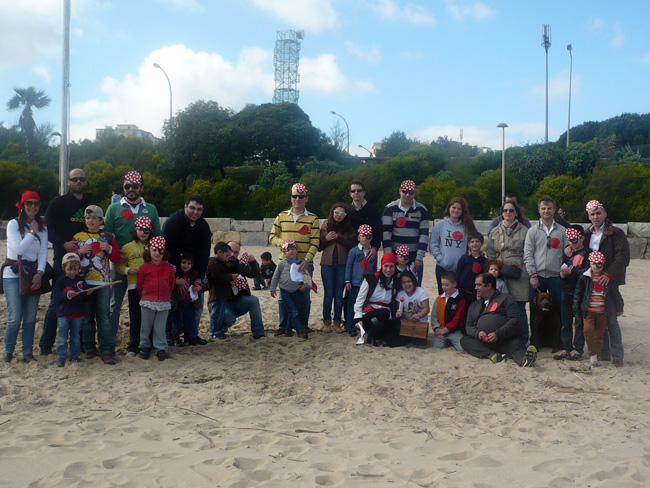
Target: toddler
x=493 y=266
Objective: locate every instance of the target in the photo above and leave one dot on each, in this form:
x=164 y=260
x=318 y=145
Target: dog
x=547 y=324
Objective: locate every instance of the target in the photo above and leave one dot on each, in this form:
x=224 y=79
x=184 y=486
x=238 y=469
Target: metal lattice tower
x=286 y=58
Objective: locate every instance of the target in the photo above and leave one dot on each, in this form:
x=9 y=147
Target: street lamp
x=156 y=65
x=568 y=125
x=346 y=126
x=546 y=43
x=503 y=126
x=369 y=151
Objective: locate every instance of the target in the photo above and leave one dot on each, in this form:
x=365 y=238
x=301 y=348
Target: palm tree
x=28 y=97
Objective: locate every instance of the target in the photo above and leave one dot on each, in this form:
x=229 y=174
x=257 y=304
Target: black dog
x=547 y=325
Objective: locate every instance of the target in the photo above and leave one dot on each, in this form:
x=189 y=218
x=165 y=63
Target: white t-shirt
x=412 y=304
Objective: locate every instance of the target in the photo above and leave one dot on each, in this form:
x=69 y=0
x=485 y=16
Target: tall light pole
x=156 y=65
x=546 y=43
x=369 y=151
x=568 y=125
x=65 y=101
x=503 y=126
x=347 y=128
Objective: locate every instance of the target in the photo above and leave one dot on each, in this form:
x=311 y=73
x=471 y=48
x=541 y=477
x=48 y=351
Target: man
x=303 y=227
x=493 y=328
x=543 y=252
x=120 y=221
x=187 y=231
x=64 y=217
x=406 y=222
x=509 y=198
x=244 y=302
x=362 y=212
x=612 y=242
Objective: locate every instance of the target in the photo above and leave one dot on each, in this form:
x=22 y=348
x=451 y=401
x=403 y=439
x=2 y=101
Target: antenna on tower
x=461 y=136
x=286 y=58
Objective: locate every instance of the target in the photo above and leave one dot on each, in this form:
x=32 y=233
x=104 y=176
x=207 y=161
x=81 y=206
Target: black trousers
x=514 y=347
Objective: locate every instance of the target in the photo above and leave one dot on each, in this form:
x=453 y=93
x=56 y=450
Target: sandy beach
x=324 y=412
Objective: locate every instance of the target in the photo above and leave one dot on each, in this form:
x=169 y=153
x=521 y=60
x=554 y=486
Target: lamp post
x=369 y=151
x=156 y=65
x=503 y=126
x=568 y=125
x=347 y=128
x=546 y=43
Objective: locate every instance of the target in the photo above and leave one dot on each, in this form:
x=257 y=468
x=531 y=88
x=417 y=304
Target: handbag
x=26 y=272
x=415 y=330
x=510 y=271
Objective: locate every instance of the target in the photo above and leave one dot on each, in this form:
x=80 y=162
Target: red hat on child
x=143 y=223
x=402 y=251
x=288 y=242
x=571 y=233
x=365 y=230
x=596 y=257
x=157 y=242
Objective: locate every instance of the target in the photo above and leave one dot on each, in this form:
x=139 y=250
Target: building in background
x=126 y=130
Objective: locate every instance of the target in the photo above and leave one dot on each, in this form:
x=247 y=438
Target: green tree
x=28 y=98
x=395 y=144
x=581 y=159
x=16 y=177
x=276 y=174
x=569 y=193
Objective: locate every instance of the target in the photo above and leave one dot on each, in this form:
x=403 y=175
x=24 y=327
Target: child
x=133 y=252
x=450 y=308
x=402 y=252
x=220 y=280
x=590 y=300
x=493 y=266
x=470 y=266
x=267 y=269
x=185 y=299
x=355 y=267
x=155 y=283
x=291 y=290
x=70 y=309
x=96 y=250
x=413 y=301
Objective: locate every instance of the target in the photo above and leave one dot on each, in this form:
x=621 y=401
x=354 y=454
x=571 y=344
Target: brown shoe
x=303 y=334
x=617 y=362
x=327 y=326
x=280 y=332
x=338 y=328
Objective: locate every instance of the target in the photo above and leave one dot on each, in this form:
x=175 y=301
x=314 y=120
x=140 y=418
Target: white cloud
x=558 y=87
x=646 y=59
x=43 y=72
x=322 y=75
x=371 y=55
x=615 y=31
x=619 y=36
x=311 y=15
x=411 y=13
x=462 y=10
x=191 y=5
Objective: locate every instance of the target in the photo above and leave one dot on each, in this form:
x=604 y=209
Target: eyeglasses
x=408 y=192
x=338 y=212
x=76 y=179
x=359 y=190
x=298 y=197
x=34 y=203
x=195 y=209
x=145 y=231
x=509 y=210
x=128 y=186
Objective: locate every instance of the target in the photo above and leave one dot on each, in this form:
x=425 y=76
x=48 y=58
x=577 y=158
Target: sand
x=324 y=412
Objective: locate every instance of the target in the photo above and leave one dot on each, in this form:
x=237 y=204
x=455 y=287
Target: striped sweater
x=305 y=231
x=410 y=228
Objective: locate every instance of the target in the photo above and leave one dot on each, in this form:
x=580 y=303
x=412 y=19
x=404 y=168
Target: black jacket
x=501 y=316
x=182 y=237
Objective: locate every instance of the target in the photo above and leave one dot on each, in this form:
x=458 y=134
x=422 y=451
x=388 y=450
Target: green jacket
x=120 y=220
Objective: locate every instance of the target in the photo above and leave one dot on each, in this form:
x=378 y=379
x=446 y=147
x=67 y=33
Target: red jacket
x=156 y=281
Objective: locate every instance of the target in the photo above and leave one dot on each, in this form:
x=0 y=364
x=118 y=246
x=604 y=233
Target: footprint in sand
x=78 y=470
x=125 y=462
x=328 y=467
x=456 y=456
x=330 y=479
x=484 y=462
x=247 y=464
x=553 y=466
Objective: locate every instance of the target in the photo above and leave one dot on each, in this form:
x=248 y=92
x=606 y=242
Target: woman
x=448 y=241
x=27 y=238
x=506 y=243
x=376 y=307
x=337 y=237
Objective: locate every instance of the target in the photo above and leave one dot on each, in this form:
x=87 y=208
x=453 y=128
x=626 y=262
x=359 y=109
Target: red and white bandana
x=597 y=257
x=407 y=185
x=299 y=188
x=365 y=230
x=143 y=223
x=571 y=233
x=240 y=283
x=157 y=242
x=288 y=242
x=402 y=251
x=244 y=258
x=593 y=205
x=133 y=177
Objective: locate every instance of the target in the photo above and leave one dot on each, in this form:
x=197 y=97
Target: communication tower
x=286 y=57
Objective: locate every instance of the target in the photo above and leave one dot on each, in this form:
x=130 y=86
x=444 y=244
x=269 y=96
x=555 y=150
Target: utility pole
x=546 y=43
x=65 y=101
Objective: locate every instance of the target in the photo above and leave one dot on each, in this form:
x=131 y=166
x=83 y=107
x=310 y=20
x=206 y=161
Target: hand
x=251 y=258
x=124 y=259
x=439 y=333
x=492 y=337
x=302 y=288
x=274 y=294
x=132 y=271
x=72 y=294
x=415 y=317
x=604 y=279
x=534 y=282
x=105 y=246
x=331 y=236
x=90 y=291
x=568 y=251
x=86 y=249
x=70 y=246
x=36 y=281
x=182 y=285
x=372 y=254
x=417 y=266
x=304 y=265
x=564 y=272
x=348 y=286
x=33 y=226
x=196 y=288
x=267 y=282
x=482 y=336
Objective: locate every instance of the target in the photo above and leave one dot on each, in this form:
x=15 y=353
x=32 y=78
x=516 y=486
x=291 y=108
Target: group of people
x=480 y=305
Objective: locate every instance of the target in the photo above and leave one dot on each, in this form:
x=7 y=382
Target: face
x=31 y=208
x=223 y=256
x=299 y=201
x=156 y=254
x=509 y=212
x=77 y=181
x=494 y=270
x=407 y=285
x=186 y=265
x=357 y=193
x=364 y=240
x=266 y=262
x=291 y=252
x=143 y=234
x=406 y=197
x=475 y=245
x=456 y=211
x=597 y=216
x=388 y=269
x=482 y=290
x=577 y=244
x=234 y=255
x=132 y=191
x=448 y=286
x=93 y=222
x=338 y=214
x=402 y=260
x=546 y=210
x=511 y=199
x=193 y=211
x=71 y=269
x=596 y=267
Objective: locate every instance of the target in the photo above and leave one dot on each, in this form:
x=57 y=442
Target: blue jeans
x=352 y=299
x=613 y=339
x=197 y=315
x=295 y=309
x=216 y=316
x=569 y=342
x=20 y=310
x=552 y=285
x=451 y=339
x=97 y=312
x=333 y=285
x=282 y=310
x=183 y=319
x=241 y=305
x=69 y=328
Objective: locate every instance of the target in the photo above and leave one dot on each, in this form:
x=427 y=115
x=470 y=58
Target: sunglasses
x=30 y=203
x=598 y=265
x=128 y=186
x=509 y=210
x=145 y=231
x=298 y=197
x=76 y=179
x=408 y=192
x=338 y=212
x=356 y=191
x=367 y=236
x=573 y=241
x=159 y=250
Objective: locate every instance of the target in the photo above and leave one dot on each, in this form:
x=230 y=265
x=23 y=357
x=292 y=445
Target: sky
x=428 y=68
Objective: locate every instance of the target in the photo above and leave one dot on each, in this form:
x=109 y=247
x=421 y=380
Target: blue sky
x=428 y=68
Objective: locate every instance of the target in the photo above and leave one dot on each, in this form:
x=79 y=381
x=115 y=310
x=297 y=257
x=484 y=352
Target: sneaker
x=327 y=326
x=196 y=341
x=170 y=341
x=179 y=343
x=29 y=358
x=563 y=354
x=257 y=288
x=280 y=332
x=618 y=363
x=221 y=337
x=162 y=355
x=353 y=333
x=144 y=354
x=257 y=337
x=108 y=358
x=497 y=358
x=7 y=357
x=575 y=356
x=46 y=351
x=60 y=362
x=91 y=354
x=593 y=360
x=530 y=358
x=130 y=354
x=76 y=360
x=303 y=334
x=213 y=336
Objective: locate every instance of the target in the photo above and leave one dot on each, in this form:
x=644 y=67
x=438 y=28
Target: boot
x=338 y=328
x=327 y=326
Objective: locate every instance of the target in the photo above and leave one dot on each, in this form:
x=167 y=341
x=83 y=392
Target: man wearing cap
x=120 y=221
x=303 y=227
x=612 y=242
x=406 y=222
x=363 y=212
x=64 y=217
